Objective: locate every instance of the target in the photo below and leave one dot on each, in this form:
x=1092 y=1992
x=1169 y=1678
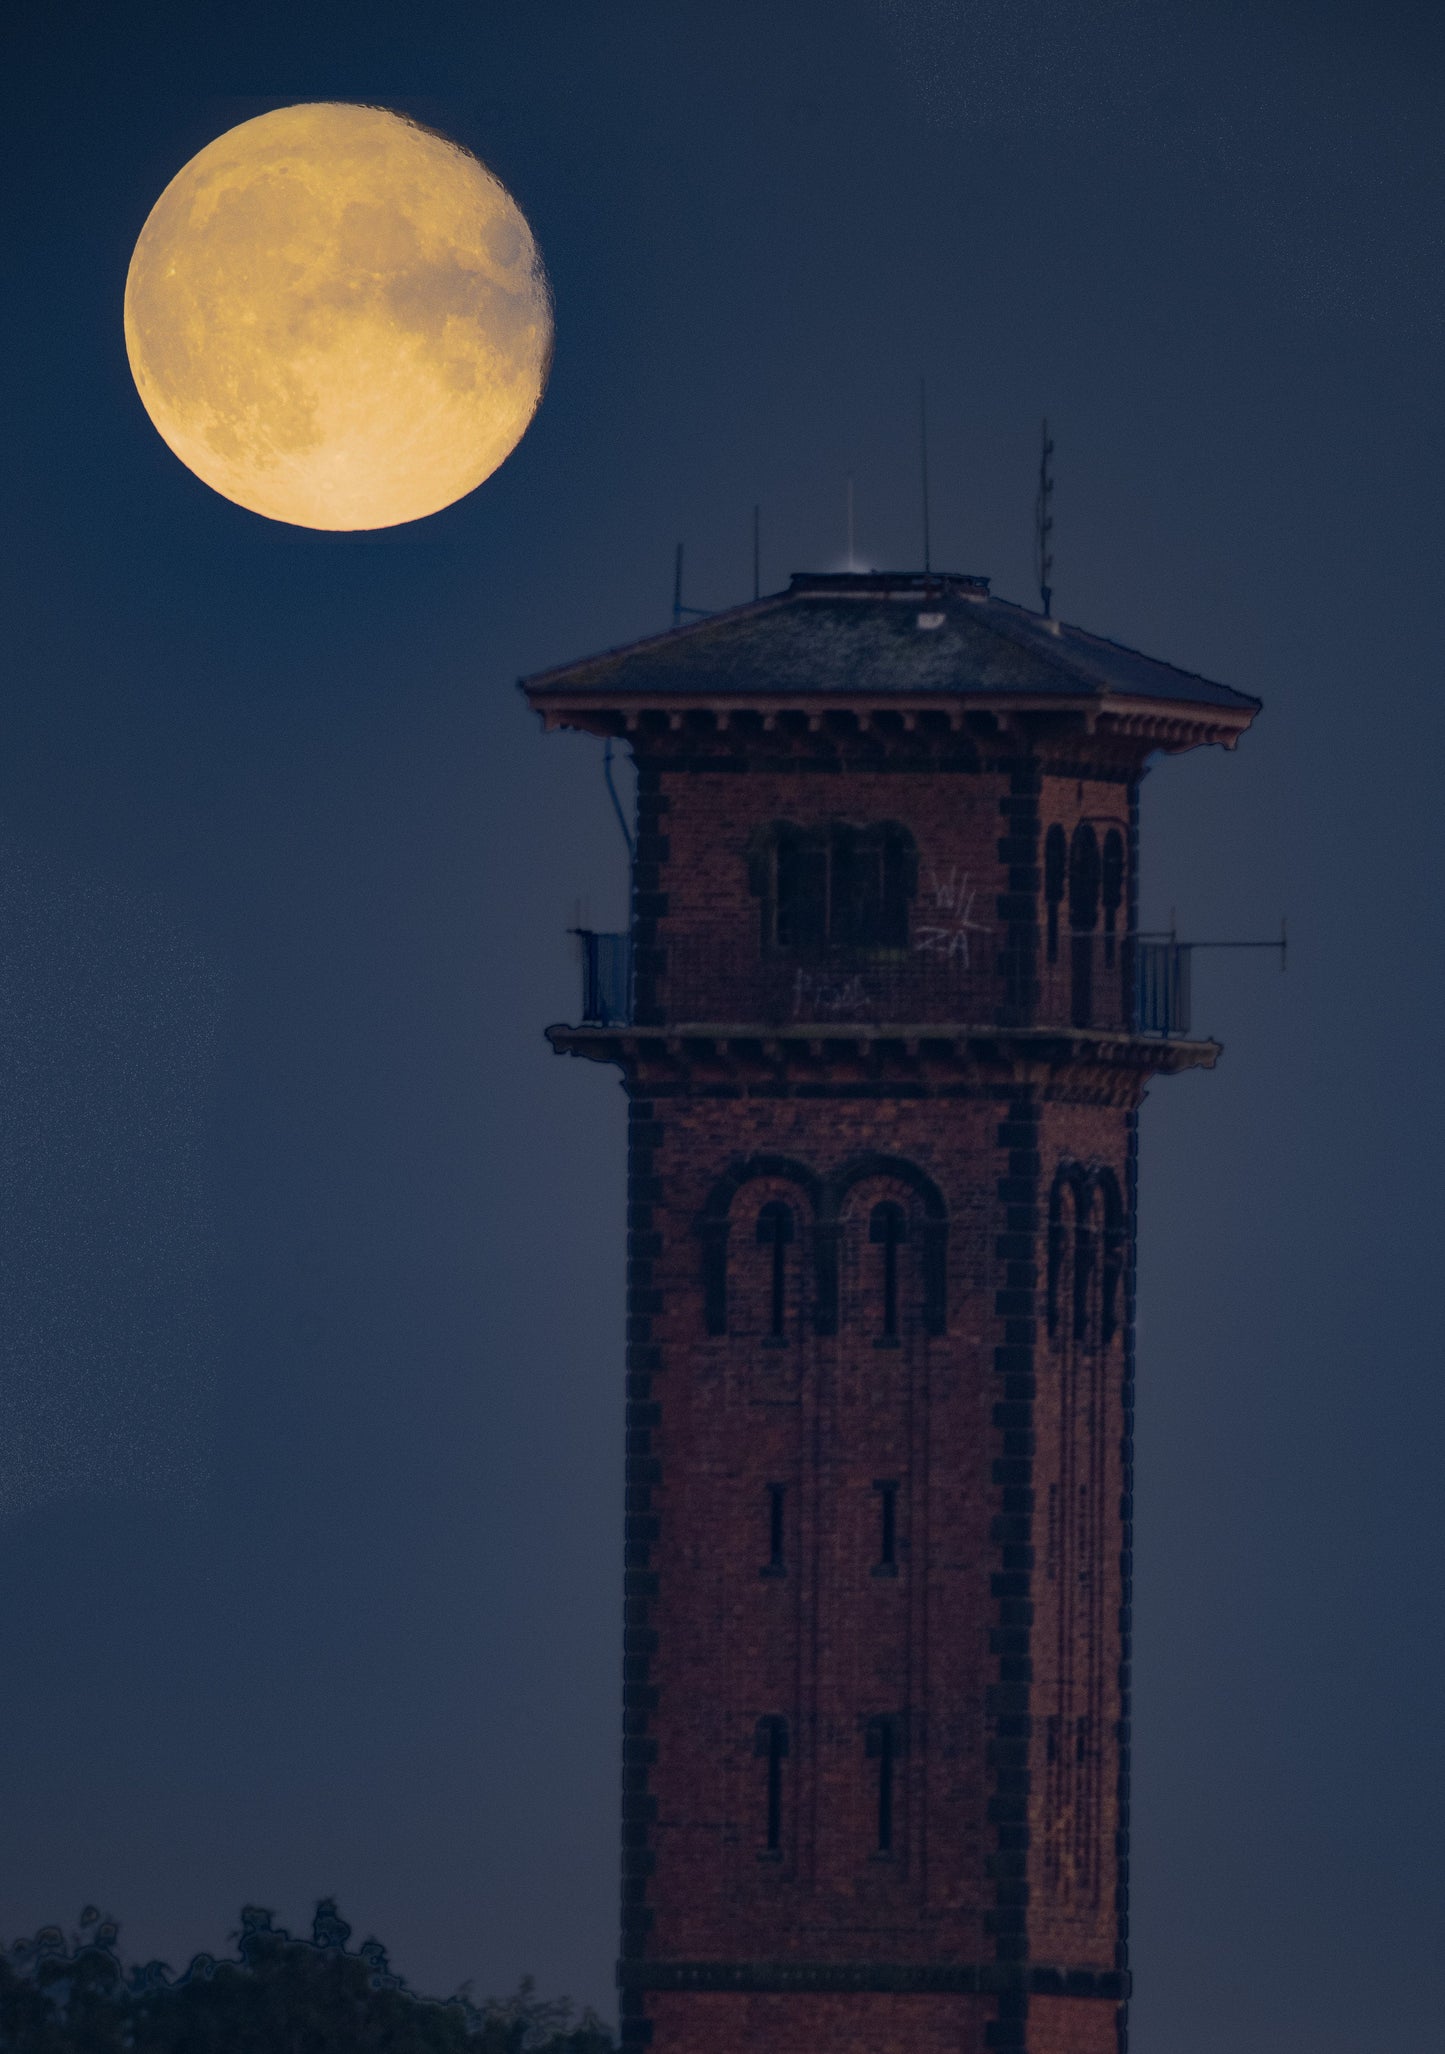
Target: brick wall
x=781 y=1386
x=825 y=2024
x=828 y=1644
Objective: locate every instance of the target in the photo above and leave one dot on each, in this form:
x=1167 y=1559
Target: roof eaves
x=544 y=680
x=1032 y=637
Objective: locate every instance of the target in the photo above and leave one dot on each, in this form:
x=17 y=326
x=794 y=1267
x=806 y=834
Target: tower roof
x=879 y=640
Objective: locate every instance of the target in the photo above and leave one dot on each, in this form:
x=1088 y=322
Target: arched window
x=714 y=1225
x=1055 y=866
x=834 y=886
x=1084 y=879
x=1113 y=890
x=770 y=1745
x=775 y=1231
x=888 y=1229
x=1086 y=1241
x=921 y=1282
x=1083 y=918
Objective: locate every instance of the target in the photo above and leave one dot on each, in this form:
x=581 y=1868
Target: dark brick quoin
x=879 y=1367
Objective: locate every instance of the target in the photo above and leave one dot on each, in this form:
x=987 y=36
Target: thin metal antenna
x=1044 y=523
x=679 y=611
x=1282 y=944
x=923 y=466
x=757 y=558
x=852 y=553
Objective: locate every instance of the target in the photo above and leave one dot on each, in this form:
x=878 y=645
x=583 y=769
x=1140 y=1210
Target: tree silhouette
x=279 y=1994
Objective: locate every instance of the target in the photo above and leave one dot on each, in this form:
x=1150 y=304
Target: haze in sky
x=311 y=1329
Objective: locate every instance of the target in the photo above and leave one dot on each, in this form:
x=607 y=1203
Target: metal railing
x=606 y=978
x=1161 y=985
x=1130 y=984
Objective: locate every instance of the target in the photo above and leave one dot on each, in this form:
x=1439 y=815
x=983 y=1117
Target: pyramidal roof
x=877 y=638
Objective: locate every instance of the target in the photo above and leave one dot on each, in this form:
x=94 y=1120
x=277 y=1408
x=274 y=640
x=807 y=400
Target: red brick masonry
x=880 y=1397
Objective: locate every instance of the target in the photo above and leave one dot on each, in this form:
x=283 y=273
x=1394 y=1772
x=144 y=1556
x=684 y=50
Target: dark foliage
x=280 y=1994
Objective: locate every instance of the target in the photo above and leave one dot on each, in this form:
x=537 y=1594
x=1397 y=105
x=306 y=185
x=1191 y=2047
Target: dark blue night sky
x=311 y=1322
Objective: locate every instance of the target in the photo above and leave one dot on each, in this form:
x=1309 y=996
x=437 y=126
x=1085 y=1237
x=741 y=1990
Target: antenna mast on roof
x=852 y=556
x=679 y=611
x=923 y=466
x=757 y=577
x=1044 y=522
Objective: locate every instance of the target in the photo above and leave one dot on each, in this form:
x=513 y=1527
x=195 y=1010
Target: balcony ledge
x=1020 y=1051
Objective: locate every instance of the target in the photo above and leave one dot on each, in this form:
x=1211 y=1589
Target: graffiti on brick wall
x=948 y=924
x=822 y=995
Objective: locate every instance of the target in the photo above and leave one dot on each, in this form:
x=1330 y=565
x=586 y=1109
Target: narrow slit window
x=1084 y=879
x=884 y=1749
x=1055 y=864
x=887 y=1563
x=770 y=1745
x=776 y=1564
x=888 y=1229
x=1083 y=919
x=775 y=1232
x=1112 y=886
x=1085 y=1249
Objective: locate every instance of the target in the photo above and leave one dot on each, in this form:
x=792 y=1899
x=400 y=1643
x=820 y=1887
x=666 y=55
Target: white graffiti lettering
x=947 y=934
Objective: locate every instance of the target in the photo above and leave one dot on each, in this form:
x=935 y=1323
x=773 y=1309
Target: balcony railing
x=606 y=978
x=1161 y=985
x=1132 y=984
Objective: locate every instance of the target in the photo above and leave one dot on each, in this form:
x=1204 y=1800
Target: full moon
x=337 y=318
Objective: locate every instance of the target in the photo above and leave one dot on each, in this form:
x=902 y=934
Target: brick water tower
x=885 y=1019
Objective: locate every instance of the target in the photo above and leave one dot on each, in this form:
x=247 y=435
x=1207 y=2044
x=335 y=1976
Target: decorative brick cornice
x=1113 y=728
x=986 y=1978
x=1080 y=1065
